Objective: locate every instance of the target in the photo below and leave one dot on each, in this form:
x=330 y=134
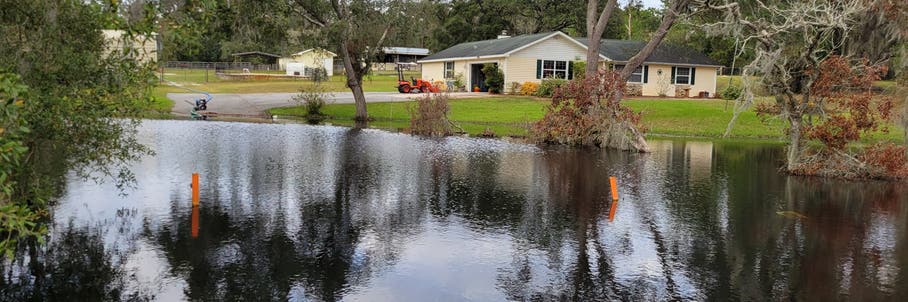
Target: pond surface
x=309 y=213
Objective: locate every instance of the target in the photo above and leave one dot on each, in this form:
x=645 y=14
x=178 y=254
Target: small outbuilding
x=143 y=48
x=255 y=57
x=302 y=63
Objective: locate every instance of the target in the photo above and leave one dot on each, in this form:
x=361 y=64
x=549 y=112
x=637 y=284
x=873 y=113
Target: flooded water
x=308 y=213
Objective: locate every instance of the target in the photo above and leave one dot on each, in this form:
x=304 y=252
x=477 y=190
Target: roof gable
x=609 y=49
x=623 y=50
x=494 y=47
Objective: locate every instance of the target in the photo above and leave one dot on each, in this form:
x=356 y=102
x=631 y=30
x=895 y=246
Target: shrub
x=313 y=99
x=458 y=82
x=514 y=88
x=430 y=115
x=731 y=93
x=494 y=78
x=579 y=69
x=589 y=112
x=548 y=86
x=529 y=88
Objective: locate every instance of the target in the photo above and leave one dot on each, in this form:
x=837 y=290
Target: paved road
x=258 y=103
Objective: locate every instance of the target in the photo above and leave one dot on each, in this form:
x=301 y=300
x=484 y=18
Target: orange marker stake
x=611 y=211
x=195 y=221
x=195 y=189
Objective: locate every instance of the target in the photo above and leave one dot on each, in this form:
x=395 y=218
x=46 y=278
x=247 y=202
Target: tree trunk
x=594 y=29
x=794 y=143
x=355 y=84
x=668 y=19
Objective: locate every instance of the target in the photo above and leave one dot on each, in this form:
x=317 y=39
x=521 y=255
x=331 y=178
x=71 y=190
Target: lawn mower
x=414 y=85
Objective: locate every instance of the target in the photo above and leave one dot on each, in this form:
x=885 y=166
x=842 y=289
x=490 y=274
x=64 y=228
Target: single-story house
x=143 y=48
x=298 y=63
x=669 y=71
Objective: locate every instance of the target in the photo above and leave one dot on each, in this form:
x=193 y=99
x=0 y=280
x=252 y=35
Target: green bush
x=731 y=93
x=494 y=77
x=579 y=69
x=313 y=99
x=548 y=86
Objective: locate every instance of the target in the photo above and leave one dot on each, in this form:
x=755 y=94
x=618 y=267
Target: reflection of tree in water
x=254 y=256
x=72 y=267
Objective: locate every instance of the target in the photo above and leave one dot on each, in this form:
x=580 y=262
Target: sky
x=647 y=3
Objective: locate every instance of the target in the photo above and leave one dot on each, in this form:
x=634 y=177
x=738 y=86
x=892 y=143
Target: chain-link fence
x=185 y=71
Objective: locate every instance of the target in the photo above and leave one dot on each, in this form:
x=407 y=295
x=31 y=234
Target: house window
x=682 y=75
x=449 y=70
x=636 y=77
x=554 y=69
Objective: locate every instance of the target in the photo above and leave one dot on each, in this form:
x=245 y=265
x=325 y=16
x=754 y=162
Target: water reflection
x=291 y=212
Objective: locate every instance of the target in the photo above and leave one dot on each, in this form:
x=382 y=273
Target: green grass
x=510 y=116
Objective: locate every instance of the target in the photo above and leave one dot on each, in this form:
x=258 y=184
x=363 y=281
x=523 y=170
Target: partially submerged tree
x=621 y=129
x=357 y=29
x=795 y=43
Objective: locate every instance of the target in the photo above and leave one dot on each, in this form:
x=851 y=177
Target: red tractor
x=414 y=85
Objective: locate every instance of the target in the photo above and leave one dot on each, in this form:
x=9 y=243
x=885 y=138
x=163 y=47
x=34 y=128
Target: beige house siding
x=522 y=64
x=312 y=59
x=433 y=71
x=143 y=49
x=705 y=80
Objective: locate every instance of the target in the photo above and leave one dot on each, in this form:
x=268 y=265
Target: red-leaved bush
x=588 y=111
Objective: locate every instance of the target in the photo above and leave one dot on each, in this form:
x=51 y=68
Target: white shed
x=303 y=62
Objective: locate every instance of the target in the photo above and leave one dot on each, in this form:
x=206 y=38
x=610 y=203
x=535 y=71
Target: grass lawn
x=512 y=115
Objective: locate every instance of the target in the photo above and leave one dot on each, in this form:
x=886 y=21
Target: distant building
x=403 y=54
x=144 y=49
x=299 y=63
x=255 y=57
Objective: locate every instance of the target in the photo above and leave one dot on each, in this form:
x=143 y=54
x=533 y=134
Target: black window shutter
x=645 y=73
x=570 y=75
x=693 y=73
x=673 y=74
x=538 y=69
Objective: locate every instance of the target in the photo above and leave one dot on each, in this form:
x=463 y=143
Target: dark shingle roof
x=486 y=47
x=623 y=50
x=616 y=50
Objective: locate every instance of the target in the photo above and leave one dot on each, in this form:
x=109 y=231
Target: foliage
x=579 y=69
x=494 y=77
x=589 y=112
x=313 y=99
x=458 y=81
x=319 y=75
x=529 y=88
x=731 y=92
x=82 y=102
x=842 y=109
x=15 y=220
x=429 y=116
x=548 y=86
x=461 y=21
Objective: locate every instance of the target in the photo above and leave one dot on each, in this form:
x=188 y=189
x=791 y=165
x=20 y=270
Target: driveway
x=258 y=103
